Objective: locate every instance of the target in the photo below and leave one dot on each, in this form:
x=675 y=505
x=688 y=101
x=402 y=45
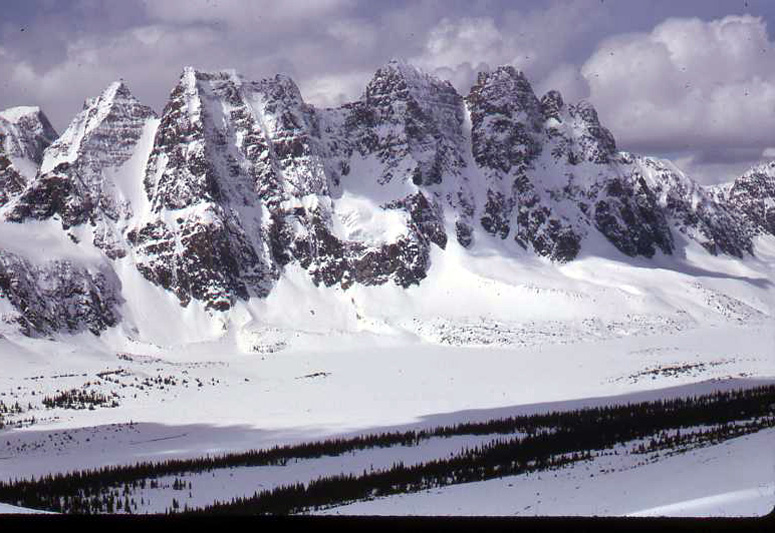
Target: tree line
x=548 y=439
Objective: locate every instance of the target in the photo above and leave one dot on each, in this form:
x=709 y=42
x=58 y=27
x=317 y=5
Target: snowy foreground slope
x=245 y=270
x=731 y=479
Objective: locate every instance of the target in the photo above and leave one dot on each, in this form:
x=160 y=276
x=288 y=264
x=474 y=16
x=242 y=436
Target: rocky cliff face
x=204 y=235
x=753 y=194
x=238 y=179
x=59 y=295
x=553 y=173
x=243 y=178
x=25 y=133
x=694 y=211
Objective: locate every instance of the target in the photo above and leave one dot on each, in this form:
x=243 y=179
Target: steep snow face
x=25 y=133
x=297 y=164
x=75 y=180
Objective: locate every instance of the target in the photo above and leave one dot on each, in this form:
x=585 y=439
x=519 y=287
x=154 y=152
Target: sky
x=692 y=80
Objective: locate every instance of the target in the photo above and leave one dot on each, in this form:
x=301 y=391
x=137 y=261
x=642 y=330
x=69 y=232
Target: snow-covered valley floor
x=175 y=407
x=184 y=405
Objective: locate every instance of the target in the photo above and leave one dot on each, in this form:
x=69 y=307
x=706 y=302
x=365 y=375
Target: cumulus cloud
x=688 y=84
x=568 y=80
x=148 y=58
x=458 y=48
x=454 y=43
x=334 y=90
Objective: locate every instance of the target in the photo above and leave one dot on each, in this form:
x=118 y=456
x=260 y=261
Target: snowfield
x=594 y=332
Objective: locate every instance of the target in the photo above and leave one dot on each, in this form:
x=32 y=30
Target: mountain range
x=237 y=182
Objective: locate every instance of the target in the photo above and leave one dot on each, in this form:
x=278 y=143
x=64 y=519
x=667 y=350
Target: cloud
x=710 y=173
x=568 y=80
x=330 y=47
x=458 y=48
x=452 y=43
x=687 y=84
x=149 y=58
x=334 y=90
x=717 y=165
x=240 y=14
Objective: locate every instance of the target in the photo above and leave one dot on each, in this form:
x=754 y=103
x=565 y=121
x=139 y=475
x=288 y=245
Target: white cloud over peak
x=687 y=83
x=536 y=42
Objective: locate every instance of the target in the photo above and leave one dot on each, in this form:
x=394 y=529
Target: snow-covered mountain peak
x=239 y=181
x=15 y=114
x=507 y=86
x=203 y=237
x=105 y=130
x=398 y=85
x=76 y=181
x=412 y=123
x=415 y=79
x=505 y=74
x=113 y=91
x=400 y=68
x=694 y=210
x=507 y=119
x=280 y=87
x=31 y=123
x=25 y=132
